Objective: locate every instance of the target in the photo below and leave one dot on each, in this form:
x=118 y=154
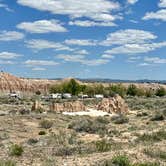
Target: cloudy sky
x=118 y=39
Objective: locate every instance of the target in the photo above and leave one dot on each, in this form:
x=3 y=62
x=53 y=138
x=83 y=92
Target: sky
x=116 y=39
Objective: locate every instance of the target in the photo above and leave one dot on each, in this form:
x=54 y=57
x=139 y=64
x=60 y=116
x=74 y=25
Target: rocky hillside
x=10 y=83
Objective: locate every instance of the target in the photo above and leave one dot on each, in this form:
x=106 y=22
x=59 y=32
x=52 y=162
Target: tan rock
x=113 y=105
x=75 y=106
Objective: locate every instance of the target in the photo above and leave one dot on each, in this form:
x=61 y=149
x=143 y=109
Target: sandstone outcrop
x=10 y=83
x=113 y=105
x=37 y=106
x=75 y=106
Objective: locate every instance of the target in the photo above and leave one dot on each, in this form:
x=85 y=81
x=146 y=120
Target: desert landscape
x=82 y=82
x=76 y=131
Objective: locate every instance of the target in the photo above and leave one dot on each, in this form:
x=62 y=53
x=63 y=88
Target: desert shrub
x=142 y=114
x=16 y=150
x=39 y=110
x=103 y=146
x=88 y=125
x=149 y=93
x=42 y=133
x=7 y=163
x=46 y=124
x=32 y=141
x=65 y=150
x=153 y=137
x=160 y=92
x=158 y=117
x=120 y=160
x=146 y=164
x=155 y=153
x=121 y=119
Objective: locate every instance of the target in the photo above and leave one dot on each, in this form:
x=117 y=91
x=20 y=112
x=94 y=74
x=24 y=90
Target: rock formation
x=10 y=83
x=37 y=106
x=113 y=105
x=75 y=106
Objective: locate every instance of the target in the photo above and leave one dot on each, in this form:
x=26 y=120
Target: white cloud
x=42 y=26
x=135 y=48
x=99 y=10
x=82 y=52
x=10 y=35
x=108 y=56
x=45 y=44
x=132 y=1
x=81 y=59
x=38 y=69
x=159 y=15
x=3 y=62
x=32 y=63
x=9 y=55
x=88 y=23
x=144 y=64
x=128 y=36
x=79 y=42
x=155 y=60
x=4 y=6
x=162 y=3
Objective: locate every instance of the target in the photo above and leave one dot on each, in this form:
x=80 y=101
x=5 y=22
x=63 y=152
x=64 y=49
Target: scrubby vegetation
x=16 y=150
x=75 y=88
x=135 y=139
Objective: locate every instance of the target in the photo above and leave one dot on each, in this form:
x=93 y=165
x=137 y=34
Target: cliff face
x=10 y=83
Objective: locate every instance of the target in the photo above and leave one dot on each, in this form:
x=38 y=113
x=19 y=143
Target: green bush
x=121 y=160
x=155 y=153
x=153 y=137
x=46 y=124
x=32 y=141
x=118 y=89
x=146 y=164
x=88 y=125
x=16 y=150
x=158 y=117
x=42 y=133
x=160 y=92
x=103 y=146
x=7 y=163
x=121 y=119
x=132 y=90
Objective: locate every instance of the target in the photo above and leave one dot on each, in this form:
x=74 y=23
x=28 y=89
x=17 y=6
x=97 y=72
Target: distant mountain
x=99 y=80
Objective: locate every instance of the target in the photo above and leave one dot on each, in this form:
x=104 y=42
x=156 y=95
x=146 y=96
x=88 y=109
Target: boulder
x=113 y=105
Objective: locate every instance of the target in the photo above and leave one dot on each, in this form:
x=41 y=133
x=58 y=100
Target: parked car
x=55 y=96
x=99 y=96
x=67 y=96
x=14 y=95
x=83 y=96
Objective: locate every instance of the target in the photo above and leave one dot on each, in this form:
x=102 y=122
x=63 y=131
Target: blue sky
x=118 y=39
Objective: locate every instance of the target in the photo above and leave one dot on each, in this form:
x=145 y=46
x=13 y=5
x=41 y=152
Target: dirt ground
x=83 y=140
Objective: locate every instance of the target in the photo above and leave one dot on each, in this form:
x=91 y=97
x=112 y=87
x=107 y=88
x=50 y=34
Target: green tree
x=132 y=90
x=118 y=89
